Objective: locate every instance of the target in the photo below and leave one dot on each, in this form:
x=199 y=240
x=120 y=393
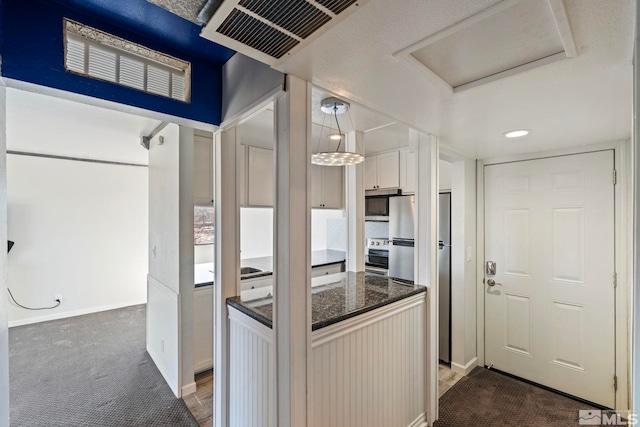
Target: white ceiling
x=576 y=101
x=44 y=124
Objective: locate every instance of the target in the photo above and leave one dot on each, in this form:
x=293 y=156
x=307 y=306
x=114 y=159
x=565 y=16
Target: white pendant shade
x=336 y=158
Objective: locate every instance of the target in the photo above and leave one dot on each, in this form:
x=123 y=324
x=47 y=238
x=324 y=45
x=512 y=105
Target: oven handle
x=376 y=270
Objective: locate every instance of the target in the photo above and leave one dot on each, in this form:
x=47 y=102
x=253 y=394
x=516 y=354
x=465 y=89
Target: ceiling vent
x=271 y=31
x=93 y=53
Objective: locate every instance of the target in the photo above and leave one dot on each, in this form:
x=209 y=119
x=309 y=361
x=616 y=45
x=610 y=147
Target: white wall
x=203 y=254
x=81 y=231
x=256 y=231
x=80 y=228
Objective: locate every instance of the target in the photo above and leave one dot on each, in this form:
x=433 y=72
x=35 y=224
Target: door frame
x=623 y=217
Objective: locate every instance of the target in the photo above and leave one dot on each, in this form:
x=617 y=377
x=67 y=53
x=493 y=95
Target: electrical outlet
x=57 y=297
x=162 y=345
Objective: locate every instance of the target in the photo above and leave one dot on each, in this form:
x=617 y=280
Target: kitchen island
x=368 y=353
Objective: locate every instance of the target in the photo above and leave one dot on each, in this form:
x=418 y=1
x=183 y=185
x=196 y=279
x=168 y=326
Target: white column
x=227 y=265
x=635 y=327
x=292 y=253
x=186 y=260
x=355 y=205
x=4 y=303
x=426 y=254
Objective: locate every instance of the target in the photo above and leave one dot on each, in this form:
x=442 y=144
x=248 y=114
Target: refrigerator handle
x=402 y=242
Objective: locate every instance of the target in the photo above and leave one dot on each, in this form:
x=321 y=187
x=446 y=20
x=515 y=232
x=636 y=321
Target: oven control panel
x=373 y=243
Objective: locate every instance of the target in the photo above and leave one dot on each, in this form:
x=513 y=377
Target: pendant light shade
x=334 y=107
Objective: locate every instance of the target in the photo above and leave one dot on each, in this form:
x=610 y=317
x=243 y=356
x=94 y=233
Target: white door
x=549 y=318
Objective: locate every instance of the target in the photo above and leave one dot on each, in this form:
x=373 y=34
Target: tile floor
x=200 y=403
x=446 y=379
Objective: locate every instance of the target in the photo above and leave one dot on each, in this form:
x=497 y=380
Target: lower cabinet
x=327 y=269
x=258 y=282
x=203 y=328
x=261 y=282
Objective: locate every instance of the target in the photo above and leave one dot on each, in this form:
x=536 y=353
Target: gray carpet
x=488 y=398
x=87 y=371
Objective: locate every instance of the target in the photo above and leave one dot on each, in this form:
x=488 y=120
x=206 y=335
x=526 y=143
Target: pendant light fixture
x=334 y=107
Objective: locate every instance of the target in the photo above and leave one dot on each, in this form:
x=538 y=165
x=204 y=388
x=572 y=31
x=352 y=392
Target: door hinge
x=615 y=280
x=615 y=177
x=615 y=382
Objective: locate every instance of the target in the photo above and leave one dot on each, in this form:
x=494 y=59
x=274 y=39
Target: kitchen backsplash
x=376 y=229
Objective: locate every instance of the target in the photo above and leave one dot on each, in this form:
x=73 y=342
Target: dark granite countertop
x=336 y=298
x=318 y=259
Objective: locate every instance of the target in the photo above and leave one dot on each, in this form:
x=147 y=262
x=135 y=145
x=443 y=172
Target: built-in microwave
x=376 y=208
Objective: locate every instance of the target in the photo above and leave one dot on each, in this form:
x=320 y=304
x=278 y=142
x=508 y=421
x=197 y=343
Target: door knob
x=492 y=282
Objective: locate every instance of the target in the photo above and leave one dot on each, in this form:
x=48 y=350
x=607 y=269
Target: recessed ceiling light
x=516 y=133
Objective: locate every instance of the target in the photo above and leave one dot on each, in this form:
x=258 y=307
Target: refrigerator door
x=401 y=259
x=401 y=214
x=444 y=276
x=401 y=253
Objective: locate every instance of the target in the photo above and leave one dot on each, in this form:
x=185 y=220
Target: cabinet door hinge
x=615 y=382
x=615 y=280
x=615 y=177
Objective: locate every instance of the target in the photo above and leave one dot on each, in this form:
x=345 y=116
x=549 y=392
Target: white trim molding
x=466 y=369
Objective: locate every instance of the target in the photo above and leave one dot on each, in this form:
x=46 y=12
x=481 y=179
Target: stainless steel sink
x=249 y=270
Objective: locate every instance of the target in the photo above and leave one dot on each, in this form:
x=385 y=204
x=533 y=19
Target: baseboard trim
x=64 y=315
x=419 y=422
x=188 y=389
x=466 y=369
x=173 y=385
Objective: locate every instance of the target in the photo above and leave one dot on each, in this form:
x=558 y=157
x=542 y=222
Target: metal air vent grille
x=254 y=33
x=336 y=6
x=297 y=16
x=272 y=30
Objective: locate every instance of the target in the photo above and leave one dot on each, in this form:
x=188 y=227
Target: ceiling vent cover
x=271 y=31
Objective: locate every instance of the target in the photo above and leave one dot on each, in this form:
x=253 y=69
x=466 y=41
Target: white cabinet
x=203 y=187
x=258 y=282
x=327 y=187
x=259 y=177
x=202 y=328
x=408 y=171
x=327 y=269
x=382 y=171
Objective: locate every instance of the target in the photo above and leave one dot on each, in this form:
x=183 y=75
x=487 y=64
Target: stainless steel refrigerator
x=401 y=217
x=444 y=276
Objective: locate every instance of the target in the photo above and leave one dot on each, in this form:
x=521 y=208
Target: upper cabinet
x=259 y=177
x=327 y=187
x=382 y=171
x=407 y=171
x=203 y=168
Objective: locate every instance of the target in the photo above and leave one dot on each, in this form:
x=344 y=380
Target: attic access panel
x=512 y=37
x=270 y=31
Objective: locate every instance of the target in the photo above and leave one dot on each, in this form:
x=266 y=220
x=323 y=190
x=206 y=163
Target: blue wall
x=32 y=50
